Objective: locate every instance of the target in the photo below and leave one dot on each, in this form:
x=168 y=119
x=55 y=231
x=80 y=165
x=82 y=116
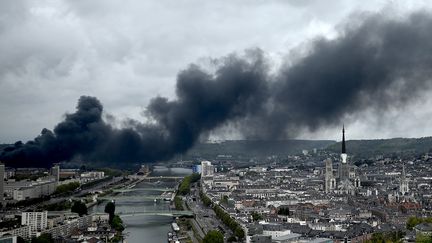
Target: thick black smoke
x=375 y=64
x=378 y=64
x=204 y=102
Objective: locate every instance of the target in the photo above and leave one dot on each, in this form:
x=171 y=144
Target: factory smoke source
x=375 y=63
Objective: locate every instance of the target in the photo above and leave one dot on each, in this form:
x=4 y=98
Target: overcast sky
x=127 y=52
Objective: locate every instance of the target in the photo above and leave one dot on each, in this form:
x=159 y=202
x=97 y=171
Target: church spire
x=343 y=140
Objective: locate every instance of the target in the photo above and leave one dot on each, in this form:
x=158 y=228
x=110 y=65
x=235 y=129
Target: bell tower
x=403 y=187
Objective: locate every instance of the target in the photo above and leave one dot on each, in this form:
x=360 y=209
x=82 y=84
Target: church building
x=346 y=181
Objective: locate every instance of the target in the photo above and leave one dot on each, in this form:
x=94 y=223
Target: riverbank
x=188 y=226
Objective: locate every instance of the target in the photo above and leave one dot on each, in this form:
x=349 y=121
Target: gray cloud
x=125 y=53
x=376 y=65
x=381 y=64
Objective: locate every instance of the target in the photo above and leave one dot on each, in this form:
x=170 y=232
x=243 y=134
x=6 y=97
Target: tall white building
x=207 y=169
x=37 y=221
x=55 y=172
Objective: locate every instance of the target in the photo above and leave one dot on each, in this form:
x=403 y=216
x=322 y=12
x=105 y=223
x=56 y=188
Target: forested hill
x=260 y=148
x=251 y=148
x=396 y=146
x=2 y=146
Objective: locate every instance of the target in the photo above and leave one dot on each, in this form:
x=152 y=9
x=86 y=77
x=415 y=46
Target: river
x=146 y=229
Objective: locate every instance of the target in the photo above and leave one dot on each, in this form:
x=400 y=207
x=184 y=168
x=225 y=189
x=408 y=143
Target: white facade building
x=276 y=234
x=92 y=175
x=34 y=190
x=207 y=169
x=23 y=232
x=37 y=221
x=55 y=172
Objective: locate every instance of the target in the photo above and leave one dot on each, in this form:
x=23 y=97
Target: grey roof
x=287 y=237
x=424 y=227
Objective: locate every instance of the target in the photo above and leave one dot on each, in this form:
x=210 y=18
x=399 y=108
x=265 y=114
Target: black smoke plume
x=376 y=63
x=203 y=102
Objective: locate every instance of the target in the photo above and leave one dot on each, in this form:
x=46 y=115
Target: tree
x=206 y=200
x=224 y=200
x=184 y=187
x=117 y=223
x=20 y=240
x=195 y=177
x=392 y=236
x=213 y=236
x=413 y=221
x=283 y=211
x=178 y=202
x=110 y=209
x=239 y=232
x=232 y=238
x=256 y=216
x=67 y=187
x=79 y=207
x=43 y=238
x=423 y=238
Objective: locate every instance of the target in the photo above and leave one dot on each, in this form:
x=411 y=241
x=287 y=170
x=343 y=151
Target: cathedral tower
x=330 y=180
x=403 y=186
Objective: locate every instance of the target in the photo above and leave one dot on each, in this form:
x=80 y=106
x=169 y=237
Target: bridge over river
x=172 y=213
x=137 y=197
x=159 y=189
x=156 y=178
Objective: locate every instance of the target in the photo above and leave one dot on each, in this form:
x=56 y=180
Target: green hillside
x=396 y=146
x=258 y=148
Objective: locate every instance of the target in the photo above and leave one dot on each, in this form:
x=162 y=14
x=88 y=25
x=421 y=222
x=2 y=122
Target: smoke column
x=375 y=63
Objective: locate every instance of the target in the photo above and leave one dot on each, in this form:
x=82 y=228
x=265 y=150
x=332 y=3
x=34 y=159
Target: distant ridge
x=4 y=145
x=396 y=146
x=251 y=148
x=364 y=148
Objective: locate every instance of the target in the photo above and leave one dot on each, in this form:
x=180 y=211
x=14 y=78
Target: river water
x=146 y=229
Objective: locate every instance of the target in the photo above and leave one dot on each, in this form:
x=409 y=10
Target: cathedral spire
x=343 y=140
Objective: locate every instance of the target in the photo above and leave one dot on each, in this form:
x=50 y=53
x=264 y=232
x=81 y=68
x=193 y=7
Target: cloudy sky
x=127 y=52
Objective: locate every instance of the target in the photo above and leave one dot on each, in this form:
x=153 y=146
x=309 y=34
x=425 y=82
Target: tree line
x=184 y=187
x=225 y=217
